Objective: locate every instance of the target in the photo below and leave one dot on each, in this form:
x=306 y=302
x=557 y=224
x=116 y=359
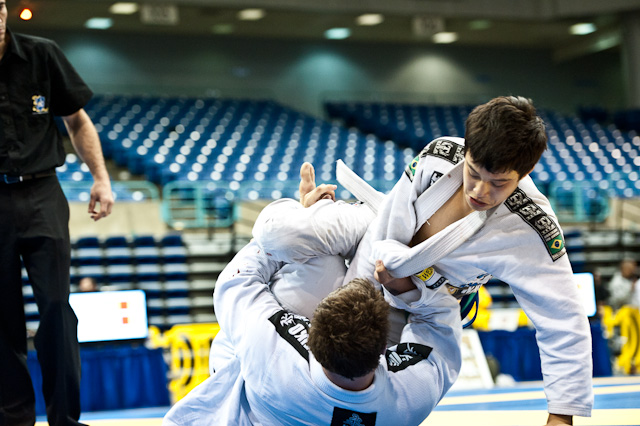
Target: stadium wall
x=302 y=74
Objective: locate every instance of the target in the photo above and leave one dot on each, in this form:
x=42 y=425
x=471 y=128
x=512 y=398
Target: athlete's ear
x=384 y=349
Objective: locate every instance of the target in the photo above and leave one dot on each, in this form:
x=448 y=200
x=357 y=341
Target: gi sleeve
x=291 y=233
x=241 y=298
x=546 y=291
x=427 y=361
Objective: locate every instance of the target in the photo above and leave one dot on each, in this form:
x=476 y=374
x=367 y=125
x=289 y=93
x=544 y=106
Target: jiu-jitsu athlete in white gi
x=464 y=215
x=282 y=372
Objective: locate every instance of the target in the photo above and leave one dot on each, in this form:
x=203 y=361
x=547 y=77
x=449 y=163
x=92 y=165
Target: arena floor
x=617 y=403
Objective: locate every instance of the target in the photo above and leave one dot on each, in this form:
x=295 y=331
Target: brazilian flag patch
x=520 y=204
x=410 y=171
x=556 y=245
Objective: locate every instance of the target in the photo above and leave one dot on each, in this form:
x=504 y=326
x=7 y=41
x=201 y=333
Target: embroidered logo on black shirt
x=530 y=212
x=294 y=329
x=342 y=417
x=405 y=355
x=39 y=104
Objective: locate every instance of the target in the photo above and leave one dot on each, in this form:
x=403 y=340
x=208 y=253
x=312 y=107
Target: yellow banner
x=625 y=322
x=189 y=346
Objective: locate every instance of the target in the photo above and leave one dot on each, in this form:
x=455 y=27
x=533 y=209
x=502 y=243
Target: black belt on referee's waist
x=9 y=179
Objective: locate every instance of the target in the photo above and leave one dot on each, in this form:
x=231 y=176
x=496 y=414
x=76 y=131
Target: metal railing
x=209 y=204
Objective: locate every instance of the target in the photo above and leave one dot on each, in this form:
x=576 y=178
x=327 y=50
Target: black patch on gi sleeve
x=536 y=218
x=445 y=149
x=405 y=355
x=442 y=148
x=342 y=417
x=294 y=329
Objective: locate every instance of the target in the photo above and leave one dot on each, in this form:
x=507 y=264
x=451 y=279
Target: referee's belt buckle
x=12 y=179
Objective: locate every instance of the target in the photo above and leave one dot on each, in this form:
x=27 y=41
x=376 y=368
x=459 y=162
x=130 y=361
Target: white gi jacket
x=518 y=242
x=273 y=379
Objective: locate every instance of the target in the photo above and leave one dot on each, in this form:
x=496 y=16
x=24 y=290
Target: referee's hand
x=100 y=193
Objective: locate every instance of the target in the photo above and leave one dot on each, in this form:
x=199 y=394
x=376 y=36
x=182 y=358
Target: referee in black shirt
x=36 y=83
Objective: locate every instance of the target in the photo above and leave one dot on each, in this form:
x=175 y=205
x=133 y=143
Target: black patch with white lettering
x=445 y=149
x=531 y=213
x=441 y=148
x=405 y=355
x=294 y=329
x=342 y=417
x=438 y=283
x=434 y=177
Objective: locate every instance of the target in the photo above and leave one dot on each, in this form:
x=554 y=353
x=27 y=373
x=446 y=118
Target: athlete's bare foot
x=309 y=193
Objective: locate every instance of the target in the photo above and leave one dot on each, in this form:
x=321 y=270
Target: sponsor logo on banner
x=531 y=213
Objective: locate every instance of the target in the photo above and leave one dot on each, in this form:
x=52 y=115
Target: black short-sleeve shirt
x=36 y=83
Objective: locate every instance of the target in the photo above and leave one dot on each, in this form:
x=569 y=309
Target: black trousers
x=34 y=226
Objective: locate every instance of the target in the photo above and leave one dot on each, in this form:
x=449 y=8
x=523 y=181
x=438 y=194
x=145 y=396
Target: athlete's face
x=484 y=190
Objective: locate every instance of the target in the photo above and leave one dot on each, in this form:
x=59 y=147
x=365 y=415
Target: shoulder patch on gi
x=441 y=148
x=531 y=213
x=294 y=329
x=445 y=149
x=405 y=355
x=410 y=170
x=342 y=417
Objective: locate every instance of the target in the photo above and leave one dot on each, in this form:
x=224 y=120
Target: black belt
x=9 y=179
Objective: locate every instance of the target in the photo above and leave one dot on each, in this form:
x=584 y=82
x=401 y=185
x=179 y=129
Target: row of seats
x=252 y=146
x=579 y=150
x=411 y=125
x=233 y=140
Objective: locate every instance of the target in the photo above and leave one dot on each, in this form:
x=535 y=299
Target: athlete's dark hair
x=349 y=329
x=505 y=134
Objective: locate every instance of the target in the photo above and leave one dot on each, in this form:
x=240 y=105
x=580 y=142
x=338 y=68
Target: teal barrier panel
x=139 y=190
x=579 y=201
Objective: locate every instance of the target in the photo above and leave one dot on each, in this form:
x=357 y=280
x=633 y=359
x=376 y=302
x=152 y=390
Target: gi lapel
x=358 y=186
x=403 y=261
